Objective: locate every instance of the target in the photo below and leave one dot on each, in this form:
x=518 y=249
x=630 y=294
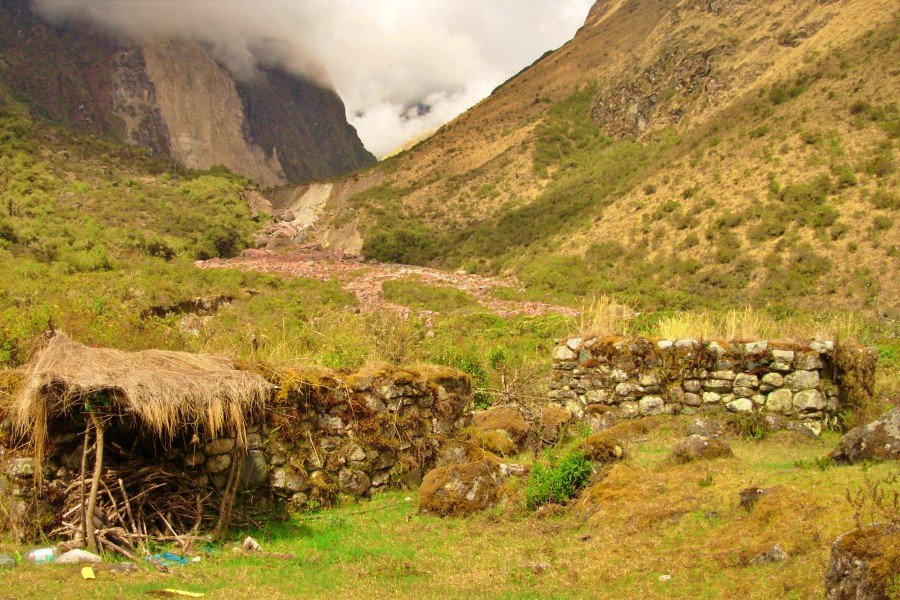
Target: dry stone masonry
x=802 y=386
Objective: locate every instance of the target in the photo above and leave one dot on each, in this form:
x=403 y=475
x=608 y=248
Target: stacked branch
x=136 y=503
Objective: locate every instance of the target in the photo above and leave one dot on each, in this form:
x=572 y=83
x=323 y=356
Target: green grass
x=415 y=294
x=649 y=518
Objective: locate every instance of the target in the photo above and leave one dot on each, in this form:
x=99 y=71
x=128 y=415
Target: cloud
x=383 y=57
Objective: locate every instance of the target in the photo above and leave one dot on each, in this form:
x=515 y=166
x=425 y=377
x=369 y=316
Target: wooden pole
x=95 y=484
x=228 y=497
x=84 y=453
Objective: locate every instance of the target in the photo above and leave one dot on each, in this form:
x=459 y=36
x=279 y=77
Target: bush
x=557 y=479
x=408 y=243
x=415 y=294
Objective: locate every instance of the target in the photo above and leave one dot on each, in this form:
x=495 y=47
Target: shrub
x=409 y=243
x=415 y=294
x=557 y=479
x=751 y=426
x=882 y=223
x=470 y=364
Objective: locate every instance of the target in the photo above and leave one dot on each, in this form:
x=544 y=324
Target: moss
x=602 y=447
x=879 y=545
x=496 y=441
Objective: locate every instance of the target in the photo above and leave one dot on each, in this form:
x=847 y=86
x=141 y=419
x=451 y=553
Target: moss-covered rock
x=879 y=440
x=460 y=490
x=865 y=564
x=697 y=447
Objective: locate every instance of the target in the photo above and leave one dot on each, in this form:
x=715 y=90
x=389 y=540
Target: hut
x=127 y=409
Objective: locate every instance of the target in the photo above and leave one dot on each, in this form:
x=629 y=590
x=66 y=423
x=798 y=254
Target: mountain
x=171 y=97
x=675 y=153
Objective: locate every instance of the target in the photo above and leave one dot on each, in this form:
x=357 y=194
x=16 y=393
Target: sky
x=402 y=67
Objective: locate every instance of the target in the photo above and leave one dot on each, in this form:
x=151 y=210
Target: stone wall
x=599 y=379
x=323 y=434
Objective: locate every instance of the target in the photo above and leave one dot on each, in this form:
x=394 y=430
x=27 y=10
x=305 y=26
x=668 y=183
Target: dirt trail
x=364 y=279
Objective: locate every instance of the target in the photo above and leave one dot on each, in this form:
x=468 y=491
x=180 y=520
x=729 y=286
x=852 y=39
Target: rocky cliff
x=172 y=98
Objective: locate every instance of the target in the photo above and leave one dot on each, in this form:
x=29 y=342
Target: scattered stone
x=750 y=495
x=78 y=556
x=775 y=554
x=878 y=440
x=537 y=568
x=7 y=562
x=812 y=429
x=665 y=578
x=697 y=447
x=250 y=545
x=863 y=563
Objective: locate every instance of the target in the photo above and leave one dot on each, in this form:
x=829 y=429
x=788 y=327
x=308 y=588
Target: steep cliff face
x=172 y=98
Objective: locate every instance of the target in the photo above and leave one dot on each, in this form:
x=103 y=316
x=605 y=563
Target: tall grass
x=602 y=316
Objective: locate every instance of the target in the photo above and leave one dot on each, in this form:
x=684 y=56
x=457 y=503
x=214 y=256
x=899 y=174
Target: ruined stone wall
x=323 y=435
x=800 y=385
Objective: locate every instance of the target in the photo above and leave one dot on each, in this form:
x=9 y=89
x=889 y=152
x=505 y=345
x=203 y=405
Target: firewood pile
x=137 y=503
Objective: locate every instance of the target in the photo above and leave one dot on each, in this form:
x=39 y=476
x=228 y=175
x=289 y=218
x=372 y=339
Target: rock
x=506 y=418
x=77 y=557
x=19 y=467
x=665 y=578
x=750 y=495
x=808 y=362
x=878 y=440
x=194 y=459
x=775 y=554
x=711 y=397
x=7 y=562
x=219 y=446
x=756 y=347
x=687 y=343
x=496 y=441
x=780 y=401
x=726 y=375
x=717 y=385
x=574 y=344
x=356 y=453
x=254 y=470
x=217 y=464
x=460 y=490
x=746 y=380
x=741 y=405
x=628 y=389
x=744 y=392
x=802 y=380
x=863 y=563
x=811 y=429
x=697 y=447
x=776 y=380
x=692 y=399
x=705 y=427
x=651 y=405
x=783 y=356
x=596 y=397
x=250 y=545
x=602 y=447
x=563 y=353
x=664 y=344
x=692 y=385
x=288 y=483
x=822 y=347
x=354 y=482
x=809 y=400
x=553 y=418
x=628 y=410
x=648 y=380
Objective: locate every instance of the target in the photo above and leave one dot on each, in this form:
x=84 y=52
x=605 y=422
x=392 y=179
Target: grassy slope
x=651 y=518
x=779 y=189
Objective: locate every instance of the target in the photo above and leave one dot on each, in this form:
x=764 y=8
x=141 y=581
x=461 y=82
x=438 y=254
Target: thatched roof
x=164 y=391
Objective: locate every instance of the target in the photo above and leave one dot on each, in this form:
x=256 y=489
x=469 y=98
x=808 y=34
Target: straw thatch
x=164 y=391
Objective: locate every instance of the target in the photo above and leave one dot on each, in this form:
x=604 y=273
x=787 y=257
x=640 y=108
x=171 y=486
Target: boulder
x=879 y=440
x=750 y=495
x=741 y=405
x=553 y=418
x=505 y=418
x=775 y=554
x=496 y=441
x=651 y=405
x=809 y=400
x=697 y=447
x=863 y=563
x=354 y=482
x=460 y=490
x=780 y=400
x=802 y=380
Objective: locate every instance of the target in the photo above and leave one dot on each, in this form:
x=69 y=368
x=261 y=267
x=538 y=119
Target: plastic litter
x=176 y=592
x=167 y=558
x=39 y=556
x=88 y=573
